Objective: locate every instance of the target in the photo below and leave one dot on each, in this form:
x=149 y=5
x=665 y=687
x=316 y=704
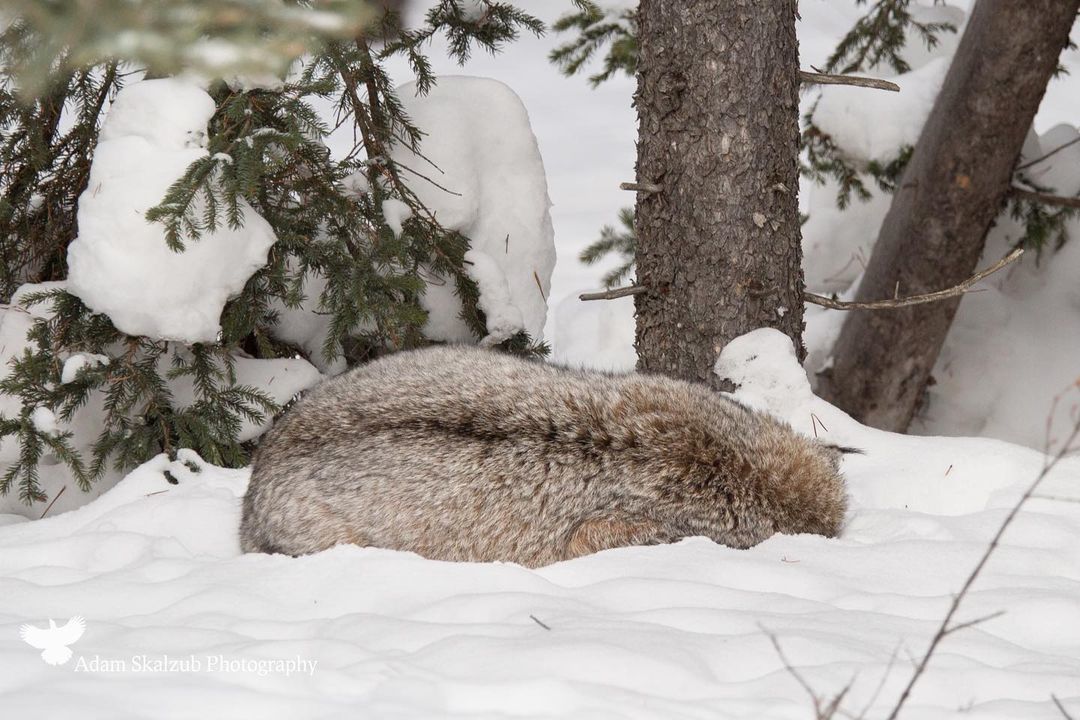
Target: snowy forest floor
x=677 y=631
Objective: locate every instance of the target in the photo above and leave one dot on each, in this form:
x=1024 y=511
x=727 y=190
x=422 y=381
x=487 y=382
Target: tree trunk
x=951 y=192
x=719 y=245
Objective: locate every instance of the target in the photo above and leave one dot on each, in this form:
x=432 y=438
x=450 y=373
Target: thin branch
x=833 y=707
x=46 y=511
x=540 y=622
x=1044 y=198
x=822 y=710
x=972 y=623
x=651 y=188
x=816 y=78
x=1055 y=498
x=915 y=299
x=613 y=294
x=1064 y=713
x=792 y=671
x=1053 y=152
x=881 y=684
x=946 y=624
x=422 y=176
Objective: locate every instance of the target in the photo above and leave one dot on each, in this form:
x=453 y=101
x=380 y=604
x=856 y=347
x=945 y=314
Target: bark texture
x=950 y=194
x=719 y=246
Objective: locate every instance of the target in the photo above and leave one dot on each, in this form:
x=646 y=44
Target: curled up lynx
x=466 y=454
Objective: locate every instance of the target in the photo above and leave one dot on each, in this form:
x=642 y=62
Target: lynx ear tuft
x=837 y=452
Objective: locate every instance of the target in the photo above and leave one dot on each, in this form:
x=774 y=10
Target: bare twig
x=422 y=176
x=539 y=286
x=815 y=421
x=1064 y=713
x=1053 y=152
x=792 y=671
x=1045 y=198
x=613 y=294
x=833 y=706
x=915 y=299
x=816 y=78
x=540 y=622
x=1055 y=498
x=971 y=623
x=822 y=710
x=46 y=511
x=946 y=627
x=650 y=188
x=881 y=685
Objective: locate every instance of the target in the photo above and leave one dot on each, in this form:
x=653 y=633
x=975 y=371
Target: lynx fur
x=460 y=453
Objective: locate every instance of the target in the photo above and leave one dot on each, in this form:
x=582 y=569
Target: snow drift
x=673 y=631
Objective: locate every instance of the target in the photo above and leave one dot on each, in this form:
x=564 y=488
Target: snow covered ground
x=675 y=631
x=179 y=624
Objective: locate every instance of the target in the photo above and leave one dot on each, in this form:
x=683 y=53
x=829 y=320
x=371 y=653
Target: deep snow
x=674 y=631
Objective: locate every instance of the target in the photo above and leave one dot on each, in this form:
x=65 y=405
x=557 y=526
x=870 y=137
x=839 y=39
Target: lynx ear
x=837 y=452
x=611 y=531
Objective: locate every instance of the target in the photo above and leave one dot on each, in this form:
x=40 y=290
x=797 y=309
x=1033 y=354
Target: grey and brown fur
x=465 y=454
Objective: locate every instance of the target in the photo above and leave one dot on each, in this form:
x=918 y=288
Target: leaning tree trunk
x=718 y=248
x=951 y=192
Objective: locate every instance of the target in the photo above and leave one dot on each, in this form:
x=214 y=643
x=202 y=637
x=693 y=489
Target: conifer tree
x=876 y=40
x=265 y=147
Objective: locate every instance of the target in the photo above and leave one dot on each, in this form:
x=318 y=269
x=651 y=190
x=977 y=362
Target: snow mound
x=395 y=213
x=765 y=361
x=925 y=474
x=1060 y=171
x=78 y=362
x=502 y=316
x=120 y=264
x=673 y=631
x=875 y=130
x=480 y=148
x=1004 y=360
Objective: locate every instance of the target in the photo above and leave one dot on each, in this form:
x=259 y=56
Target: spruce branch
x=265 y=150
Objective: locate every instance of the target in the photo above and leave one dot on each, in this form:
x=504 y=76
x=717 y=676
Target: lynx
x=466 y=454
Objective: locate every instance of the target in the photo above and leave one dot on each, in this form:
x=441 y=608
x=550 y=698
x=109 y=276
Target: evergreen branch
x=880 y=37
x=596 y=29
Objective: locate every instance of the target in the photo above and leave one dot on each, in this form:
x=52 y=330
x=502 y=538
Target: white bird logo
x=53 y=641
